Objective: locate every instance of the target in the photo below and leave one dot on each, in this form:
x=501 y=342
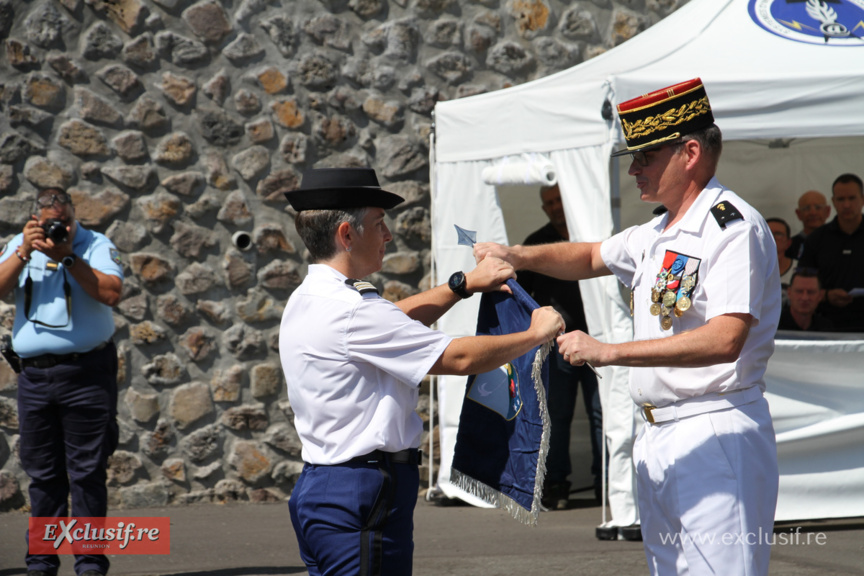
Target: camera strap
x=28 y=298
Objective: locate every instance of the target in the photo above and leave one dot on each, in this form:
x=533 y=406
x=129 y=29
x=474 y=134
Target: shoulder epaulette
x=361 y=286
x=724 y=212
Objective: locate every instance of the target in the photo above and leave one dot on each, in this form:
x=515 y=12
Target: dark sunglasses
x=641 y=157
x=48 y=201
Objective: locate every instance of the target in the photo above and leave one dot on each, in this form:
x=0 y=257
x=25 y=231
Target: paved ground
x=257 y=540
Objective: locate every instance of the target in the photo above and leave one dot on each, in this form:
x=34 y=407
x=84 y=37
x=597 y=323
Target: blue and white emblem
x=498 y=390
x=824 y=22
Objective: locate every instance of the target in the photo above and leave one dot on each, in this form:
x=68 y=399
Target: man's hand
x=547 y=323
x=484 y=249
x=490 y=274
x=577 y=348
x=838 y=297
x=32 y=234
x=34 y=239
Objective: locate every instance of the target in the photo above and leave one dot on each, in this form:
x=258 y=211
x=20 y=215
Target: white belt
x=700 y=405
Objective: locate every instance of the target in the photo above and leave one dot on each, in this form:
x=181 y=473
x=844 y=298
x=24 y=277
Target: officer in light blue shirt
x=65 y=279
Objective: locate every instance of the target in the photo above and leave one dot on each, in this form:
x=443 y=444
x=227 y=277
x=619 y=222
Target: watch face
x=457 y=280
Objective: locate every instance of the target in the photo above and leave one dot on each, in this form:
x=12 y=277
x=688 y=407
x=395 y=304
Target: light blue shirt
x=91 y=323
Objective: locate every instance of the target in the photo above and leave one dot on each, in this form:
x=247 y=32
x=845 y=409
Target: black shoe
x=632 y=533
x=556 y=496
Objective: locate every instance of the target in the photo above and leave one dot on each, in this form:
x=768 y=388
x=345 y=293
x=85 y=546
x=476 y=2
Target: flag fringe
x=497 y=498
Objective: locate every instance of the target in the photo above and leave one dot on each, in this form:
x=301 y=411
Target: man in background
x=780 y=231
x=564 y=379
x=836 y=251
x=65 y=279
x=804 y=296
x=813 y=212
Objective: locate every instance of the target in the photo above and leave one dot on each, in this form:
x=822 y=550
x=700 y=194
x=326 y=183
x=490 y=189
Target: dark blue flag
x=503 y=435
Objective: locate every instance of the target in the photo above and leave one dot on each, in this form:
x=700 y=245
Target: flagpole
x=433 y=382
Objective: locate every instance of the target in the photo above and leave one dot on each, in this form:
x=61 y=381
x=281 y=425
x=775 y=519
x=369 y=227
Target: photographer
x=65 y=280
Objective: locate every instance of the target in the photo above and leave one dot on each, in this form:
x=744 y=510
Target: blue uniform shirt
x=91 y=323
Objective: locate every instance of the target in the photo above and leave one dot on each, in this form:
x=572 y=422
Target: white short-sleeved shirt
x=353 y=364
x=737 y=272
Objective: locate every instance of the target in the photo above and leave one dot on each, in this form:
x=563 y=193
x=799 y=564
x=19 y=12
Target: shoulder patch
x=115 y=256
x=361 y=286
x=724 y=212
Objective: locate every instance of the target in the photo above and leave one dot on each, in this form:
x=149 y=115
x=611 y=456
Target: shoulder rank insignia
x=361 y=286
x=724 y=212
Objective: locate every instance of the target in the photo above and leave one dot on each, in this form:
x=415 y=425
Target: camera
x=56 y=231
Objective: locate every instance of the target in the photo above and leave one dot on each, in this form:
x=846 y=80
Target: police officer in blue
x=353 y=362
x=65 y=279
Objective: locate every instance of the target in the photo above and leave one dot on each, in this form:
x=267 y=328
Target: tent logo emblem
x=824 y=22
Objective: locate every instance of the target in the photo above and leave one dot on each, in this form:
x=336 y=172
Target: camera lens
x=56 y=231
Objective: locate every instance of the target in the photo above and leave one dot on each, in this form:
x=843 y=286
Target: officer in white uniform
x=706 y=302
x=353 y=362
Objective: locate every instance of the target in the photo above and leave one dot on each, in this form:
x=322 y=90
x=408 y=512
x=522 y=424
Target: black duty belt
x=407 y=456
x=51 y=360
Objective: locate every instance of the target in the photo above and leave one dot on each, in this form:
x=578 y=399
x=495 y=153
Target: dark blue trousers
x=356 y=519
x=564 y=380
x=68 y=423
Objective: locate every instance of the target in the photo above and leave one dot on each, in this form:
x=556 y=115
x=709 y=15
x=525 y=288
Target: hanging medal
x=670 y=295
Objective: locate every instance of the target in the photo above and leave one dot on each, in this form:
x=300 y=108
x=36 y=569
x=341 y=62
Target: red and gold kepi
x=664 y=115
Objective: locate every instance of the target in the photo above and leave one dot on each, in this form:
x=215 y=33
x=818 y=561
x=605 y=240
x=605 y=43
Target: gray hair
x=710 y=139
x=317 y=229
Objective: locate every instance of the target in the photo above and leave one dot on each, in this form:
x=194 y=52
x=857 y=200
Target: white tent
x=790 y=103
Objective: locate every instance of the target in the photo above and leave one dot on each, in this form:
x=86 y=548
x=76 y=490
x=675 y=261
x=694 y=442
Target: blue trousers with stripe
x=356 y=518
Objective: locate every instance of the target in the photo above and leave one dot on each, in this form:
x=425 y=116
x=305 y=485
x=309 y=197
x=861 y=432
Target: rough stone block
x=252 y=464
x=190 y=403
x=226 y=384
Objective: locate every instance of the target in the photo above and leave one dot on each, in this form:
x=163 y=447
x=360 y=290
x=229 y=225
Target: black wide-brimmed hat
x=339 y=188
x=664 y=115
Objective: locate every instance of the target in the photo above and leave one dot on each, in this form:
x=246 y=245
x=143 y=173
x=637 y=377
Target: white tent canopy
x=789 y=84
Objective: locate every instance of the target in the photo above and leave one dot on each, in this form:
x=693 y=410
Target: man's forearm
x=563 y=260
x=104 y=288
x=10 y=270
x=478 y=354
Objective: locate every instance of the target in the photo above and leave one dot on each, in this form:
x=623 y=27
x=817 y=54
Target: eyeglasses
x=641 y=157
x=48 y=201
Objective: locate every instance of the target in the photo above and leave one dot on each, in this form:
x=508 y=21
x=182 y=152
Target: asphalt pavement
x=257 y=540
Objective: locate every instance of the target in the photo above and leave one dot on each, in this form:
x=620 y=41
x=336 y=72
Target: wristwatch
x=69 y=261
x=458 y=283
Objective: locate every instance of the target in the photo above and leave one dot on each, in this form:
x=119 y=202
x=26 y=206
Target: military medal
x=673 y=287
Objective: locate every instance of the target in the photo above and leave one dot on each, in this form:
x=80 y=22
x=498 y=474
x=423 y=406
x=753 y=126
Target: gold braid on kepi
x=664 y=115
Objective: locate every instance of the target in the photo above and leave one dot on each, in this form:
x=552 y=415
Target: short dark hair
x=317 y=229
x=806 y=273
x=781 y=221
x=847 y=178
x=710 y=140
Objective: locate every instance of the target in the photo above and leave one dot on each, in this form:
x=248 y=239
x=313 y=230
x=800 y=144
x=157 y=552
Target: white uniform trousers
x=708 y=491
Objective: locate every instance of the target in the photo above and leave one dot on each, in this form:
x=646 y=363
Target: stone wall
x=177 y=126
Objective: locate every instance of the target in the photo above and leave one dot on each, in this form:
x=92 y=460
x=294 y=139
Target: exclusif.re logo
x=92 y=535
